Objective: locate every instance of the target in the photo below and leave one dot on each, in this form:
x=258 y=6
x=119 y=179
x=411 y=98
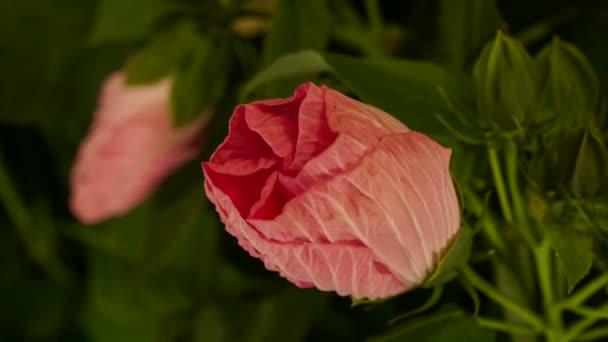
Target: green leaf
x=284 y=315
x=569 y=87
x=162 y=55
x=412 y=91
x=297 y=25
x=456 y=255
x=428 y=304
x=445 y=325
x=464 y=27
x=573 y=247
x=202 y=80
x=123 y=20
x=188 y=91
x=293 y=64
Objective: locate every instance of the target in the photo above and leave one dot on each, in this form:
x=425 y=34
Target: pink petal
x=347 y=268
x=399 y=202
x=314 y=133
x=131 y=147
x=242 y=143
x=365 y=123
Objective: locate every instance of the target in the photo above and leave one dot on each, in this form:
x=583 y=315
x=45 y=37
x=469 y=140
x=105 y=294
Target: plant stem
x=579 y=327
x=501 y=299
x=508 y=327
x=374 y=16
x=594 y=334
x=500 y=185
x=15 y=208
x=485 y=220
x=542 y=256
x=516 y=196
x=583 y=294
x=590 y=312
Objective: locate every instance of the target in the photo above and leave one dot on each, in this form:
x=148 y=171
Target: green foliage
x=123 y=20
x=168 y=271
x=573 y=247
x=297 y=25
x=163 y=54
x=445 y=325
x=570 y=89
x=412 y=91
x=465 y=26
x=579 y=159
x=456 y=256
x=506 y=84
x=409 y=90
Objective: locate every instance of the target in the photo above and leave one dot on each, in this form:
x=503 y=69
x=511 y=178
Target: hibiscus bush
x=303 y=170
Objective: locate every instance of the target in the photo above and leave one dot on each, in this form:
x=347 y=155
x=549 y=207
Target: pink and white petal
x=314 y=134
x=366 y=123
x=119 y=101
x=344 y=209
x=242 y=143
x=347 y=268
x=243 y=189
x=117 y=168
x=385 y=202
x=344 y=154
x=279 y=131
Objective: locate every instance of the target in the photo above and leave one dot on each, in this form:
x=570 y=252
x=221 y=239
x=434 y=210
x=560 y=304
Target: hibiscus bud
x=570 y=90
x=131 y=147
x=580 y=162
x=505 y=80
x=333 y=193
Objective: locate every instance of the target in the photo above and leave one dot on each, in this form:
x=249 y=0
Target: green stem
x=433 y=299
x=587 y=291
x=500 y=185
x=516 y=196
x=501 y=299
x=374 y=17
x=590 y=312
x=594 y=334
x=544 y=28
x=542 y=256
x=579 y=327
x=16 y=210
x=507 y=327
x=576 y=329
x=487 y=224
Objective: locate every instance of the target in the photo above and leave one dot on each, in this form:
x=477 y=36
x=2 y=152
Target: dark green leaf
x=297 y=25
x=412 y=91
x=456 y=255
x=569 y=87
x=123 y=20
x=573 y=247
x=294 y=64
x=465 y=26
x=284 y=316
x=162 y=55
x=443 y=326
x=202 y=80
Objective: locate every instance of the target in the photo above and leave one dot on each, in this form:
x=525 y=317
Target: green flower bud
x=569 y=88
x=506 y=84
x=580 y=162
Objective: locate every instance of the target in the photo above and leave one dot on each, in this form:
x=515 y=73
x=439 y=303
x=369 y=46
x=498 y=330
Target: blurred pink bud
x=131 y=147
x=334 y=193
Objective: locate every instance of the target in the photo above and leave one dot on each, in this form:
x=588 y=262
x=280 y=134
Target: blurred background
x=167 y=271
